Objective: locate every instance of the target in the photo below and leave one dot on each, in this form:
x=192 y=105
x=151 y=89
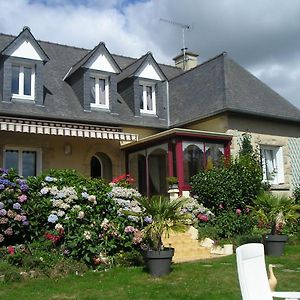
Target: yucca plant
x=275 y=211
x=162 y=216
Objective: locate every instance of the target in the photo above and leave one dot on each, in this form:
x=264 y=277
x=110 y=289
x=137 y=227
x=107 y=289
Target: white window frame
x=144 y=110
x=97 y=103
x=20 y=159
x=21 y=95
x=278 y=177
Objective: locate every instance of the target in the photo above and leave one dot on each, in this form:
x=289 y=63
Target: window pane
x=28 y=163
x=149 y=98
x=92 y=84
x=193 y=162
x=11 y=159
x=102 y=91
x=214 y=154
x=141 y=97
x=15 y=79
x=270 y=163
x=27 y=81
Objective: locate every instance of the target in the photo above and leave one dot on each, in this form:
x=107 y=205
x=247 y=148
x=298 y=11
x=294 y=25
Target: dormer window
x=147 y=98
x=23 y=81
x=99 y=92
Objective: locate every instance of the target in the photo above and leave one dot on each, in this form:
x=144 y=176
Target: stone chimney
x=186 y=60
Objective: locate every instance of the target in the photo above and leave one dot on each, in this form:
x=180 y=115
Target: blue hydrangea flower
x=17 y=206
x=3 y=212
x=148 y=219
x=24 y=187
x=1 y=205
x=2 y=186
x=85 y=195
x=25 y=223
x=52 y=218
x=49 y=179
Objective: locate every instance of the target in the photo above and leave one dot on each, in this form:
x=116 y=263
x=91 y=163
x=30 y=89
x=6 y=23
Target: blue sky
x=261 y=35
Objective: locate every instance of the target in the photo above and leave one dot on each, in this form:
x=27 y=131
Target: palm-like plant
x=275 y=211
x=164 y=215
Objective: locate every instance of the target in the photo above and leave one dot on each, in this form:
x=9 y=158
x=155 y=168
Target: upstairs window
x=272 y=164
x=99 y=92
x=147 y=98
x=23 y=81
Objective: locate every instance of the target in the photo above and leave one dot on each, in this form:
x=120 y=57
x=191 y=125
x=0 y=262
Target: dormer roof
x=98 y=59
x=25 y=46
x=144 y=67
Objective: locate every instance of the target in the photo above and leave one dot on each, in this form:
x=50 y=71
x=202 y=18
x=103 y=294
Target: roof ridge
x=224 y=81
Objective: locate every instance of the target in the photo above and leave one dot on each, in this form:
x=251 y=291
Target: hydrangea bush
x=197 y=211
x=13 y=218
x=81 y=216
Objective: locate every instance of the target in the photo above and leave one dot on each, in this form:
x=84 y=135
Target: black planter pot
x=158 y=263
x=274 y=244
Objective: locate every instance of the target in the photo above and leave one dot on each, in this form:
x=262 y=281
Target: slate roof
x=221 y=85
x=216 y=86
x=61 y=102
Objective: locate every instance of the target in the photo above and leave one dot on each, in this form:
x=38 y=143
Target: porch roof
x=177 y=132
x=64 y=129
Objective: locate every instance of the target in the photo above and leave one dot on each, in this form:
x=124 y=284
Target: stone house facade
x=104 y=114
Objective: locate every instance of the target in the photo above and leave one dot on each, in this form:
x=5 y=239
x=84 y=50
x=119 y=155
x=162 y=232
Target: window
x=272 y=164
x=99 y=92
x=147 y=98
x=101 y=166
x=23 y=81
x=199 y=156
x=25 y=161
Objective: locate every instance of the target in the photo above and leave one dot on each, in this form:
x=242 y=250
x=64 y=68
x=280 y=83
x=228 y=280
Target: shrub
x=234 y=184
x=296 y=194
x=80 y=216
x=230 y=186
x=13 y=218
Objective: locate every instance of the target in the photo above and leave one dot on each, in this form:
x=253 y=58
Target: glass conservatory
x=176 y=152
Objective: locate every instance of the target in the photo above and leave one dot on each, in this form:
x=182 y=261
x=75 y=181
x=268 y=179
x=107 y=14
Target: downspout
x=168 y=103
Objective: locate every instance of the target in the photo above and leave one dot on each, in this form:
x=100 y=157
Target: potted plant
x=172 y=182
x=161 y=216
x=274 y=212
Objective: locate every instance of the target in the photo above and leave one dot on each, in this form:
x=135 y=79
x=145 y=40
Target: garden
x=61 y=224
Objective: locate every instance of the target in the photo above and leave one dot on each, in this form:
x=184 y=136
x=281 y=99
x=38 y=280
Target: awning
x=65 y=129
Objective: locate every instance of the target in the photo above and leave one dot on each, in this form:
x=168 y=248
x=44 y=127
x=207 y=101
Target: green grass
x=214 y=279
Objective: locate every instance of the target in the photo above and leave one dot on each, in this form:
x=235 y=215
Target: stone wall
x=269 y=140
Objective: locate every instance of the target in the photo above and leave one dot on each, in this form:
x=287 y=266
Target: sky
x=261 y=35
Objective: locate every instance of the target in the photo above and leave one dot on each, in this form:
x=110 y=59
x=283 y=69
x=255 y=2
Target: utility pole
x=183 y=28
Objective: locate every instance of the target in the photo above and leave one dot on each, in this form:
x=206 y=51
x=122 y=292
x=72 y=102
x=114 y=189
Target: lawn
x=214 y=279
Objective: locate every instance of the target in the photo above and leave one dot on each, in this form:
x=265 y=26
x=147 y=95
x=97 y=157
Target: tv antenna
x=183 y=28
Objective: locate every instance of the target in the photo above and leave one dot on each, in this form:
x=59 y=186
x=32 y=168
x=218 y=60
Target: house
x=104 y=114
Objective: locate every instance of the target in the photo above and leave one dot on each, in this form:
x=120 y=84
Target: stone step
x=187 y=247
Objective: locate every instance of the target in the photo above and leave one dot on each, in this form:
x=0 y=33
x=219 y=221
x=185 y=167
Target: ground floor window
x=101 y=166
x=149 y=168
x=26 y=161
x=200 y=156
x=272 y=164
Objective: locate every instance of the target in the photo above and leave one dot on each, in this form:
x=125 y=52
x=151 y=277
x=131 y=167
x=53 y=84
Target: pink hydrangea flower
x=203 y=217
x=238 y=211
x=22 y=198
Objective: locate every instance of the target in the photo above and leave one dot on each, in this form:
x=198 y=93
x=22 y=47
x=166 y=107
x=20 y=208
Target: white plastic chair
x=253 y=276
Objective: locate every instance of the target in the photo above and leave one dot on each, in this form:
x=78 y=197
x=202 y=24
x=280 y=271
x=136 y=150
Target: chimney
x=186 y=60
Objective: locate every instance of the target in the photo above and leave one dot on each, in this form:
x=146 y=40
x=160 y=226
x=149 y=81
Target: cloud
x=261 y=35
